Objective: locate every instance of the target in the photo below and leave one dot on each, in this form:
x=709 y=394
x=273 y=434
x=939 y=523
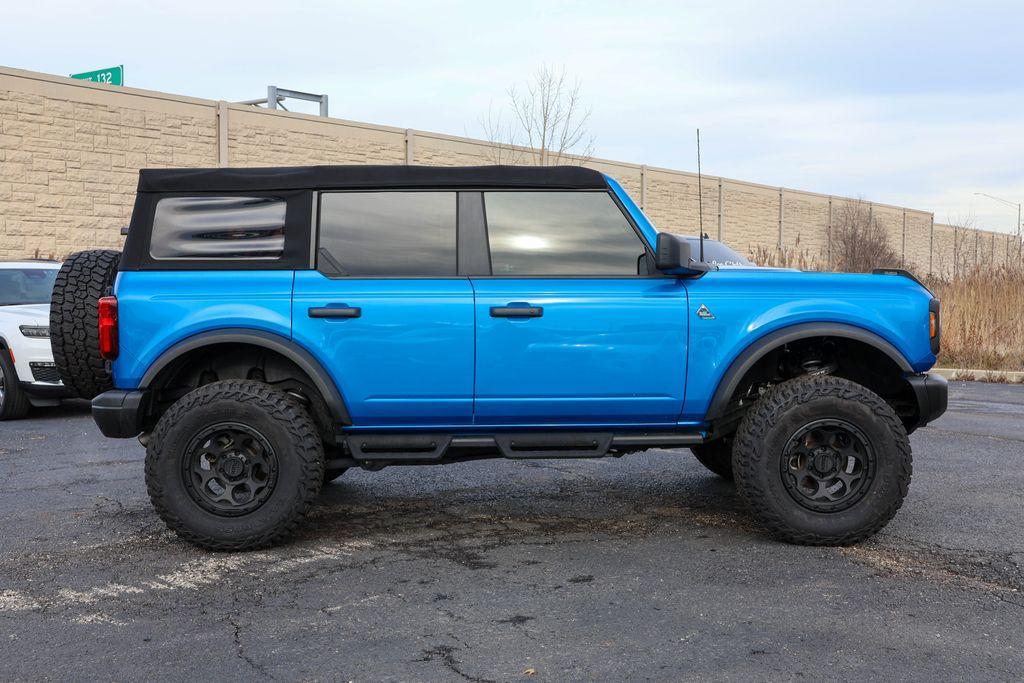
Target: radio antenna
x=700 y=201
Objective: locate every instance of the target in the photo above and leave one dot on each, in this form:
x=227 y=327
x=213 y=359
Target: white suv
x=28 y=376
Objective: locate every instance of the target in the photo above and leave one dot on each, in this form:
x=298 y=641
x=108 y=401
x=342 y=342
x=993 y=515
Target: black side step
x=427 y=449
x=554 y=445
x=399 y=446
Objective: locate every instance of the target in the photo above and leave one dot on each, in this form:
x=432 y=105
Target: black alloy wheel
x=827 y=466
x=230 y=469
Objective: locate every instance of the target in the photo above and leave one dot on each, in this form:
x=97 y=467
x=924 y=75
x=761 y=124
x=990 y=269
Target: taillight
x=108 y=327
x=935 y=325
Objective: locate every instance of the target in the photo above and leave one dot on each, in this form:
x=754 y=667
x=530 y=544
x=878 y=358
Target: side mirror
x=675 y=256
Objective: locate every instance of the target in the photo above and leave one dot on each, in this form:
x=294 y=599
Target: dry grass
x=983 y=319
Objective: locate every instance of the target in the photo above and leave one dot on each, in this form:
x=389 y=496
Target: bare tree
x=547 y=124
x=859 y=243
x=963 y=248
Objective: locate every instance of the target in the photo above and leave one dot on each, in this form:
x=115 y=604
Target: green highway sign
x=112 y=76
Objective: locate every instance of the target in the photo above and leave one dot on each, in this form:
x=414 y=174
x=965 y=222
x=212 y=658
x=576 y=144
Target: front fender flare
x=758 y=349
x=268 y=340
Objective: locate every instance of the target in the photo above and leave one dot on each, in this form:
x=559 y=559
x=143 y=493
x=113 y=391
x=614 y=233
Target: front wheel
x=234 y=465
x=13 y=401
x=822 y=461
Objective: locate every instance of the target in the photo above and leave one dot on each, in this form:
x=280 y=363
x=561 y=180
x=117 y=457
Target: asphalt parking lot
x=644 y=567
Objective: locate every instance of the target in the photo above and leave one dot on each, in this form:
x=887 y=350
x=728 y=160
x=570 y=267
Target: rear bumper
x=119 y=413
x=932 y=394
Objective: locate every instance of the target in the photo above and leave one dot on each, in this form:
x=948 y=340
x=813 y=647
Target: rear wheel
x=234 y=465
x=13 y=401
x=74 y=334
x=822 y=461
x=716 y=456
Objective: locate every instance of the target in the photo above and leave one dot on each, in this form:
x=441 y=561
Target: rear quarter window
x=218 y=227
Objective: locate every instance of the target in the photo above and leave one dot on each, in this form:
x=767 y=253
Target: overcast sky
x=911 y=103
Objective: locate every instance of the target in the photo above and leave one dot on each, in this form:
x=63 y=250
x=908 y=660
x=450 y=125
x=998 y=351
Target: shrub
x=859 y=243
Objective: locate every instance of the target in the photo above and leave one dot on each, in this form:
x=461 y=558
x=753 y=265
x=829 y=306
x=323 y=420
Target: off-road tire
x=74 y=335
x=716 y=456
x=777 y=416
x=289 y=430
x=14 y=405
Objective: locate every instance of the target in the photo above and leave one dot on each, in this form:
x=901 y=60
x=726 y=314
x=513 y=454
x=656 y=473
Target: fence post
x=410 y=145
x=222 y=133
x=721 y=209
x=931 y=241
x=643 y=187
x=782 y=217
x=829 y=241
x=903 y=247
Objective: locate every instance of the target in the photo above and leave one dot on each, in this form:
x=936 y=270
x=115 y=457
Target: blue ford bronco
x=266 y=329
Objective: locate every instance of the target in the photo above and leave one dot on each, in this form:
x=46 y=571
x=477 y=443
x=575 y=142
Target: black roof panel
x=367 y=177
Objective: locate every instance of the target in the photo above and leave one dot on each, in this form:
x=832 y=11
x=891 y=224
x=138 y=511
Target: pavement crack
x=446 y=654
x=240 y=650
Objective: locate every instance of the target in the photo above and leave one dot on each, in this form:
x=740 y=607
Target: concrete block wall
x=70 y=152
x=69 y=158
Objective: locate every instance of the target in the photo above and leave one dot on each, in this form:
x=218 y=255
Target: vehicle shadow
x=67 y=408
x=464 y=523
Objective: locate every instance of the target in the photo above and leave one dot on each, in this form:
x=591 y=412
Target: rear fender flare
x=268 y=340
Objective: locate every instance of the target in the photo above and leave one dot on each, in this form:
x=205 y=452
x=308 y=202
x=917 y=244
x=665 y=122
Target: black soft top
x=344 y=177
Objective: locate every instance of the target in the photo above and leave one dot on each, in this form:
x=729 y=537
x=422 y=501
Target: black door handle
x=340 y=311
x=517 y=311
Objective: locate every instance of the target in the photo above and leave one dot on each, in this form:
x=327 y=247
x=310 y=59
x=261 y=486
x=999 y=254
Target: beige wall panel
x=671 y=202
x=890 y=219
x=805 y=227
x=258 y=137
x=918 y=242
x=944 y=250
x=751 y=217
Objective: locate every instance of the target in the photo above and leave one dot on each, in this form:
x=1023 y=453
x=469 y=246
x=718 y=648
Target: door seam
x=472 y=287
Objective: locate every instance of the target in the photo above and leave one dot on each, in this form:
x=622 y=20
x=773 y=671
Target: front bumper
x=932 y=394
x=119 y=414
x=45 y=390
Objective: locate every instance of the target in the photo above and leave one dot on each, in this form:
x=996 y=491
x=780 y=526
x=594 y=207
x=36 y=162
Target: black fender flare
x=763 y=345
x=268 y=340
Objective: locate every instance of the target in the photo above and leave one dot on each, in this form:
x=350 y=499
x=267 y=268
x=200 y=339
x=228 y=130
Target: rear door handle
x=517 y=311
x=335 y=311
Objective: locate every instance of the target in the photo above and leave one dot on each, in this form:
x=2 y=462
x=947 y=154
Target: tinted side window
x=218 y=228
x=392 y=234
x=560 y=233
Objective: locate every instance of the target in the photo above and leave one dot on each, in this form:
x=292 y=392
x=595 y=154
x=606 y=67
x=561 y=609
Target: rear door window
x=388 y=234
x=560 y=233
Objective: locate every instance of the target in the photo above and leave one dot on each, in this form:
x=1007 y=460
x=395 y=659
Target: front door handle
x=517 y=311
x=335 y=311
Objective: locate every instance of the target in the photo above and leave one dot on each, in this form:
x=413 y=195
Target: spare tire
x=74 y=327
